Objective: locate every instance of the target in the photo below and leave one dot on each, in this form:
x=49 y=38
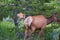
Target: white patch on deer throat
x=28 y=21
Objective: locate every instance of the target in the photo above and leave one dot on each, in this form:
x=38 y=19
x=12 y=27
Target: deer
x=36 y=22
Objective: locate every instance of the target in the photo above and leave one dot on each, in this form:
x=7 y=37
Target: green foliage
x=7 y=31
x=37 y=7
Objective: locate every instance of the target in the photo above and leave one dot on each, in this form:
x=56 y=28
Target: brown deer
x=37 y=22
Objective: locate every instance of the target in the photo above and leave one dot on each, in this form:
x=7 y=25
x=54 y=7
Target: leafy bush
x=7 y=31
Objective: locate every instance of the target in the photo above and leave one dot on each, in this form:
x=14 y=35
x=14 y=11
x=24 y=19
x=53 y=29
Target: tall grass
x=7 y=31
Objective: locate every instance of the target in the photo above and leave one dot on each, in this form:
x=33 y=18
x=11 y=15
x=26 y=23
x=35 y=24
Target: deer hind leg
x=41 y=33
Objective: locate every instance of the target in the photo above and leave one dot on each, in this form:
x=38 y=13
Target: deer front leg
x=26 y=30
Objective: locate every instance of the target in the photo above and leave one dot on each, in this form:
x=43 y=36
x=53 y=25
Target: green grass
x=7 y=31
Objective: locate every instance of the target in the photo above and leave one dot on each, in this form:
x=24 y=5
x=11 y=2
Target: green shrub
x=7 y=31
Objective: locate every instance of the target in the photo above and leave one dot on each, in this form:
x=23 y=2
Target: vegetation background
x=28 y=7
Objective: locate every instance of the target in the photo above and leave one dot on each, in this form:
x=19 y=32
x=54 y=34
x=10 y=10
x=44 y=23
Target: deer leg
x=42 y=35
x=26 y=30
x=32 y=31
x=41 y=32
